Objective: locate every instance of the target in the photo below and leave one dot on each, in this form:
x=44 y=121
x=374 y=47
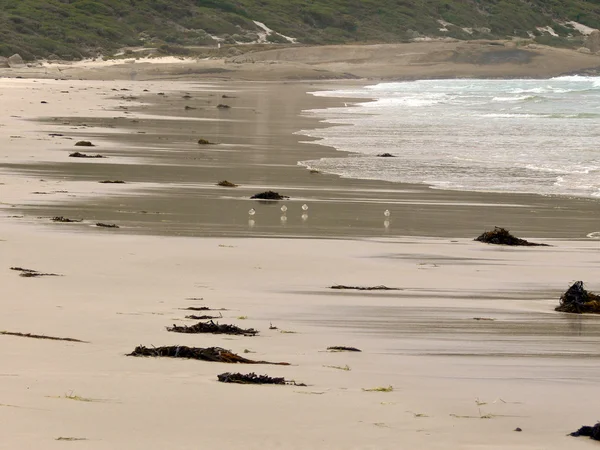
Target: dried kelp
x=343 y=349
x=501 y=236
x=252 y=378
x=30 y=273
x=269 y=195
x=364 y=288
x=577 y=300
x=213 y=328
x=204 y=317
x=40 y=336
x=62 y=219
x=107 y=225
x=213 y=354
x=592 y=432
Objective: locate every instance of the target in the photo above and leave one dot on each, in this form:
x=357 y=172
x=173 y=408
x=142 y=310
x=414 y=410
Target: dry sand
x=457 y=382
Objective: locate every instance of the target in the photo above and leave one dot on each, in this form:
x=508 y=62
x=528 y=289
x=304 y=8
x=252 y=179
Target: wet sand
x=470 y=343
x=150 y=141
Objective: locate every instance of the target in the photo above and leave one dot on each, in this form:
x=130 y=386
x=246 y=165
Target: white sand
x=459 y=383
x=533 y=368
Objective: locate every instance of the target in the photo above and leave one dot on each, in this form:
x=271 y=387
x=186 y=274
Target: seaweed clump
x=30 y=273
x=364 y=288
x=269 y=195
x=62 y=219
x=579 y=301
x=213 y=328
x=250 y=378
x=84 y=155
x=212 y=354
x=501 y=236
x=592 y=432
x=343 y=349
x=226 y=183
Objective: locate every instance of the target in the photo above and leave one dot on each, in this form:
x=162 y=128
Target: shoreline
x=466 y=350
x=259 y=149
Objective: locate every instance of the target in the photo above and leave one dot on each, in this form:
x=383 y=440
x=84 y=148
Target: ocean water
x=526 y=136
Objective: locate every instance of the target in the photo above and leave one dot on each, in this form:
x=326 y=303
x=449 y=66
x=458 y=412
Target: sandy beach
x=467 y=347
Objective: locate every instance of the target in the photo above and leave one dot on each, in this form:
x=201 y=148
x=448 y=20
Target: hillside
x=78 y=28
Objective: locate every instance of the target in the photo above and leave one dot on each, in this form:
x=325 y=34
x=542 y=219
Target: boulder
x=593 y=41
x=584 y=50
x=4 y=63
x=16 y=61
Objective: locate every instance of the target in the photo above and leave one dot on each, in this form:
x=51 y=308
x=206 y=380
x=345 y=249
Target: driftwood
x=252 y=378
x=213 y=328
x=343 y=349
x=30 y=273
x=62 y=219
x=269 y=195
x=592 y=432
x=213 y=354
x=501 y=236
x=578 y=300
x=40 y=336
x=364 y=288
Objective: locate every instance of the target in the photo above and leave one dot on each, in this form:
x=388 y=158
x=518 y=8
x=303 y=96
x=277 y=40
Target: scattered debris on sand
x=213 y=328
x=252 y=378
x=226 y=183
x=205 y=142
x=386 y=155
x=364 y=288
x=111 y=182
x=30 y=273
x=84 y=155
x=577 y=300
x=223 y=106
x=41 y=336
x=220 y=316
x=213 y=354
x=107 y=225
x=62 y=219
x=501 y=236
x=343 y=349
x=592 y=432
x=84 y=144
x=269 y=195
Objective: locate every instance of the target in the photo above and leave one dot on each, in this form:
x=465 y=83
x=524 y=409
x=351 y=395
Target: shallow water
x=525 y=136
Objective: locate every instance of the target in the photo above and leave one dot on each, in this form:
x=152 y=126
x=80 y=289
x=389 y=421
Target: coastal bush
x=76 y=28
